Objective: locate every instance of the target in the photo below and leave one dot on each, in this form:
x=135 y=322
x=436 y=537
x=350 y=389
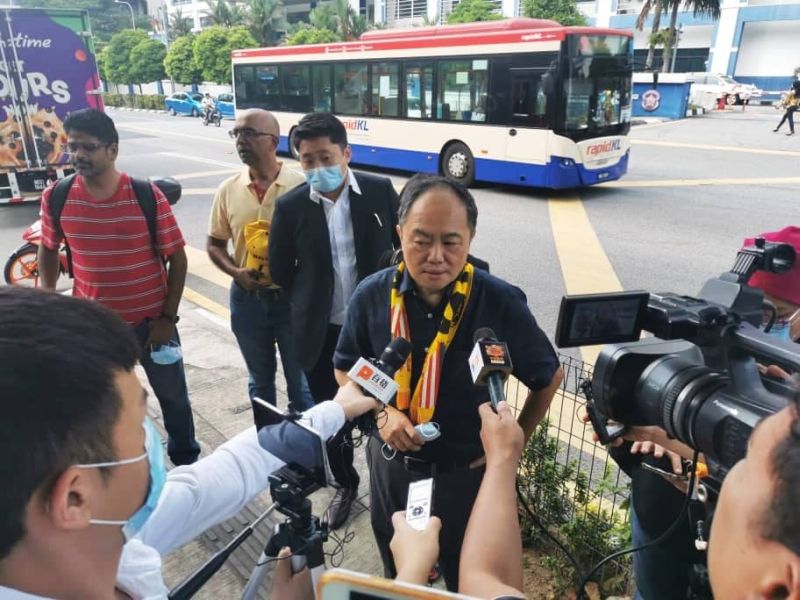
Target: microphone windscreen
x=484 y=333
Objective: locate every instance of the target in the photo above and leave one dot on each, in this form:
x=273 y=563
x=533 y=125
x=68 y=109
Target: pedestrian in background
x=791 y=103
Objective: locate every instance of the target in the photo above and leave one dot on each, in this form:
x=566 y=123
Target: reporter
x=415 y=552
x=82 y=467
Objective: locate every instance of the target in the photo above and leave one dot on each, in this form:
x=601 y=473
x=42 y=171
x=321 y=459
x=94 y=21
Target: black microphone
x=490 y=364
x=376 y=377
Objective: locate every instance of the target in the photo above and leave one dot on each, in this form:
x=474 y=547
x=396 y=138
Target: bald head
x=258 y=139
x=258 y=119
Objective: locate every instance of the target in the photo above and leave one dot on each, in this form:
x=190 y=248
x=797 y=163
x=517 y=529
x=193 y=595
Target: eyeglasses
x=248 y=133
x=779 y=321
x=85 y=146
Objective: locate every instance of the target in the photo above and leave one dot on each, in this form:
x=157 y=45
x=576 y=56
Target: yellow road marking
x=206 y=303
x=584 y=265
x=200 y=265
x=652 y=183
x=715 y=147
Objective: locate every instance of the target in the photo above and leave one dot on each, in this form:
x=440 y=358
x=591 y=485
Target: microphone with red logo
x=490 y=364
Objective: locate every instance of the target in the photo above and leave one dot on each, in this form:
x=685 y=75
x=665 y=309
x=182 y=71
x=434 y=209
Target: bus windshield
x=596 y=86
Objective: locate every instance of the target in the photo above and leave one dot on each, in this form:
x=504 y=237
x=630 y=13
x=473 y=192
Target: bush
x=150 y=101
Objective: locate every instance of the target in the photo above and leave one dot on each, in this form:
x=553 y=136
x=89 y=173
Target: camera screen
x=294 y=443
x=601 y=318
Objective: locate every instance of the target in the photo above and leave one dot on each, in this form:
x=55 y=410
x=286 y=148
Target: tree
x=117 y=58
x=564 y=12
x=324 y=17
x=349 y=23
x=179 y=25
x=469 y=11
x=212 y=50
x=654 y=38
x=267 y=21
x=147 y=62
x=179 y=62
x=312 y=35
x=708 y=8
x=225 y=14
x=106 y=17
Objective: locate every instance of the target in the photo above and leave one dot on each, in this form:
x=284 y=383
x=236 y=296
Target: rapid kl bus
x=521 y=101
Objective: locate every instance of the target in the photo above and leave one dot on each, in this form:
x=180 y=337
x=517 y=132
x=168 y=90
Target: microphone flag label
x=373 y=381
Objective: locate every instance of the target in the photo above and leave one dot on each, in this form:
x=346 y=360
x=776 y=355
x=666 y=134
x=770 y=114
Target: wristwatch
x=172 y=319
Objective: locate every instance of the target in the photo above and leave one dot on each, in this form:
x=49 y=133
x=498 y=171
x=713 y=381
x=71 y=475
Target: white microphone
x=376 y=378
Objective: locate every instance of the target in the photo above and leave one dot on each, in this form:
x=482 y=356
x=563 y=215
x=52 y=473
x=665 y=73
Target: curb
x=147 y=110
x=693 y=112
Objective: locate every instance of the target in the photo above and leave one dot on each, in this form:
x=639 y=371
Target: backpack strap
x=56 y=202
x=147 y=202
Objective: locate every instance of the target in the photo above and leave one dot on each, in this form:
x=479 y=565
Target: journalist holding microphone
x=81 y=465
x=437 y=300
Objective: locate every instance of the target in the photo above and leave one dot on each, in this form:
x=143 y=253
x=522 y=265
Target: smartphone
x=341 y=584
x=294 y=442
x=418 y=506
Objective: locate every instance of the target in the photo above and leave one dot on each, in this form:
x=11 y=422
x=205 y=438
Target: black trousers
x=454 y=494
x=323 y=386
x=788 y=116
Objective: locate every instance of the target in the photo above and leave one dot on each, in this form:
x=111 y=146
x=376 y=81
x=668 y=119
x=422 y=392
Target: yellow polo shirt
x=236 y=204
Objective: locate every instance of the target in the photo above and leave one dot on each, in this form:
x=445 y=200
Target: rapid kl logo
x=607 y=146
x=355 y=124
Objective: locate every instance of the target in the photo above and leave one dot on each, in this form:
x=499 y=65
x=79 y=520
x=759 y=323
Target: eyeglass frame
x=251 y=133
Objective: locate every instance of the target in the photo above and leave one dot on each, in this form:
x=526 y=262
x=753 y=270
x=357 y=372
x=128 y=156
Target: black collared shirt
x=493 y=303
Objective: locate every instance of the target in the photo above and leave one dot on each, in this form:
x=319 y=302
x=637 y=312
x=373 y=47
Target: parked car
x=225 y=106
x=725 y=86
x=185 y=103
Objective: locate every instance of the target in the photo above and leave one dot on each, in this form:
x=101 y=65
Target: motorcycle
x=213 y=117
x=22 y=267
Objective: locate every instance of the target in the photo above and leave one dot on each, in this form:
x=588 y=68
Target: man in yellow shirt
x=260 y=315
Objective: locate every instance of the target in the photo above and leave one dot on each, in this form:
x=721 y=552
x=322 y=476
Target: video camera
x=698 y=376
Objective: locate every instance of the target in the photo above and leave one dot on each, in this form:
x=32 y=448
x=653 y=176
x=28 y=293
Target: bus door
x=527 y=126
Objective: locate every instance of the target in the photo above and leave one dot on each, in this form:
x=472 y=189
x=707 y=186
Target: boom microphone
x=490 y=364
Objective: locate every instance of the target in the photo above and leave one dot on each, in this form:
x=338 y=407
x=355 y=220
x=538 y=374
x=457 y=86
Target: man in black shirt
x=437 y=300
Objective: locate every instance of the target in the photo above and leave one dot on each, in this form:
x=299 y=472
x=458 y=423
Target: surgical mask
x=166 y=354
x=154 y=453
x=325 y=179
x=782 y=331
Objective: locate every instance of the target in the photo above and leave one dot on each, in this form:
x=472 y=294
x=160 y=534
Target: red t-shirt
x=113 y=259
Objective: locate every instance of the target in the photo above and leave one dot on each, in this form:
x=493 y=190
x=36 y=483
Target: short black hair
x=781 y=518
x=317 y=125
x=92 y=122
x=59 y=357
x=421 y=183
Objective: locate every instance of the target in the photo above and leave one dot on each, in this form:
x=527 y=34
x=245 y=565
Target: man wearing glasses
x=242 y=210
x=117 y=263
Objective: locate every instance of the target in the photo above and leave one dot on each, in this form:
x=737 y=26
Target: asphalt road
x=694 y=190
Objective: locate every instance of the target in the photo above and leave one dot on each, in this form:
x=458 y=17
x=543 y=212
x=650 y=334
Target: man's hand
x=285 y=585
x=501 y=435
x=161 y=331
x=249 y=280
x=354 y=402
x=415 y=552
x=659 y=451
x=399 y=432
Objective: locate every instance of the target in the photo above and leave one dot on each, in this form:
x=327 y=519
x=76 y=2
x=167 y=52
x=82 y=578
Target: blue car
x=185 y=103
x=225 y=106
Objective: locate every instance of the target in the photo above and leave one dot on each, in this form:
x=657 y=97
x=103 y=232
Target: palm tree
x=179 y=25
x=267 y=21
x=222 y=13
x=699 y=7
x=324 y=17
x=640 y=21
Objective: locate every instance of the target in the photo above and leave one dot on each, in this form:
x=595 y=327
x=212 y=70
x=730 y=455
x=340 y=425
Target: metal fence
x=573 y=486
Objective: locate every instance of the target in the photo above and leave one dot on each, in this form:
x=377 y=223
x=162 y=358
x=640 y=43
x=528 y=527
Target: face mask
x=782 y=332
x=325 y=179
x=154 y=453
x=166 y=354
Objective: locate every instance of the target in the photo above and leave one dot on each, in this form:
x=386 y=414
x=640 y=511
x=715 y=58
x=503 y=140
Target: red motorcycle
x=22 y=267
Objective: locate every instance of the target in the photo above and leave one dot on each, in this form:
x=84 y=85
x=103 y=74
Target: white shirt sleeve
x=217 y=487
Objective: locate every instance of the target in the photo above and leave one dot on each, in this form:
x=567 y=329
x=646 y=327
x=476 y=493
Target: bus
x=521 y=101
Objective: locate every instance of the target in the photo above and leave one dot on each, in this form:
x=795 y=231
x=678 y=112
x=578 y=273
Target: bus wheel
x=292 y=150
x=458 y=164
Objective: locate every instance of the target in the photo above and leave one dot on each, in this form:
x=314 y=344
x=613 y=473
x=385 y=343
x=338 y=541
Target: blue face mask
x=154 y=453
x=325 y=179
x=166 y=354
x=781 y=331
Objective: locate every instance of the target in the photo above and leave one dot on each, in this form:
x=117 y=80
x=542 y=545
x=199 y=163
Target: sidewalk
x=217 y=381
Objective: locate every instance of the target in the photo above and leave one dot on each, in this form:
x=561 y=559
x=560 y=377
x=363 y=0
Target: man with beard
x=119 y=263
x=243 y=207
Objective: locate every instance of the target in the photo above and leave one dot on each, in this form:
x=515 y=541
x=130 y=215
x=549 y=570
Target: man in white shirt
x=82 y=467
x=327 y=236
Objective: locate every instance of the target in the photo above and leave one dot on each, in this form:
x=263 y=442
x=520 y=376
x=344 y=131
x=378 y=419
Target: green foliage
x=222 y=12
x=563 y=11
x=150 y=101
x=179 y=25
x=267 y=21
x=563 y=498
x=212 y=51
x=102 y=61
x=312 y=35
x=107 y=18
x=179 y=62
x=659 y=38
x=469 y=11
x=324 y=17
x=117 y=56
x=147 y=61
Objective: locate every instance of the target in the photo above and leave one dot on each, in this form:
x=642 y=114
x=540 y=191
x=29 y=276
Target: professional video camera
x=698 y=377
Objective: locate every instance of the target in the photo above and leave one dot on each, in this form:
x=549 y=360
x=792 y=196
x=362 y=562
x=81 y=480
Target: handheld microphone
x=376 y=377
x=490 y=364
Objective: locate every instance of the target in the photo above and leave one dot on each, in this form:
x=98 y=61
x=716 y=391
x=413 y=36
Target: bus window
x=267 y=88
x=385 y=89
x=462 y=92
x=528 y=99
x=419 y=90
x=350 y=89
x=321 y=84
x=296 y=88
x=245 y=81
